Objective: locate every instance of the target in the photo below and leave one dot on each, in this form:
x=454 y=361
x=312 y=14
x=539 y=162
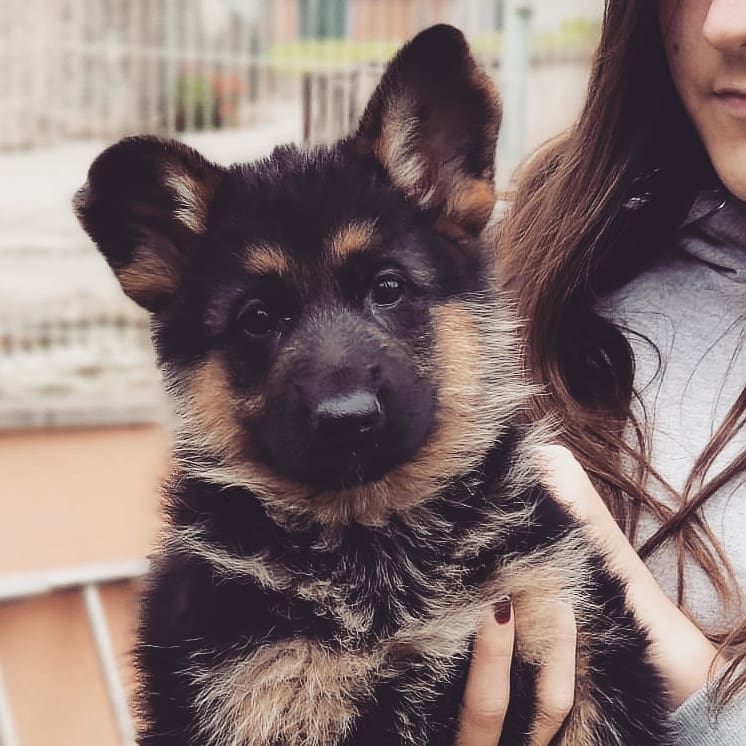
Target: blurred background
x=84 y=428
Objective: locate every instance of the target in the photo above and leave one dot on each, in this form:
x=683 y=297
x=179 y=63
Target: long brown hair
x=590 y=210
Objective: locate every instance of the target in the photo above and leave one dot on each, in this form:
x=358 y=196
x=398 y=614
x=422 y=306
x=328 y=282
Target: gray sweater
x=692 y=306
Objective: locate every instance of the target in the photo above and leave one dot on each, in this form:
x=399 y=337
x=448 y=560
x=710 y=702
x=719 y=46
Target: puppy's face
x=309 y=304
x=311 y=310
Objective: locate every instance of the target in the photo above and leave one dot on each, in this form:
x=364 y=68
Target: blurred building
x=84 y=427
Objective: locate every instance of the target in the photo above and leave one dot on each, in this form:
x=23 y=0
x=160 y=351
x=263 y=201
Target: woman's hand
x=487 y=692
x=488 y=687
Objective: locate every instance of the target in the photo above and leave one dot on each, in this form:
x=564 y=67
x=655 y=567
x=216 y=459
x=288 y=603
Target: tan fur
x=192 y=196
x=269 y=574
x=451 y=633
x=211 y=426
x=212 y=411
x=536 y=584
x=470 y=203
x=292 y=692
x=447 y=633
x=149 y=275
x=265 y=259
x=394 y=149
x=585 y=714
x=352 y=238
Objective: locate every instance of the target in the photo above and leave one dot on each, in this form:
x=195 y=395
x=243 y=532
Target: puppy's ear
x=433 y=123
x=145 y=205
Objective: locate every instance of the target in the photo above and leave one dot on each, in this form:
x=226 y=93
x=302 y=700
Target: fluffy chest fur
x=304 y=690
x=363 y=635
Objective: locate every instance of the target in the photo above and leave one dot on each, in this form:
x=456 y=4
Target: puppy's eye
x=256 y=319
x=388 y=289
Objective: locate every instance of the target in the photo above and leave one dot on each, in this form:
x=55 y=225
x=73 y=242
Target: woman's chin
x=729 y=162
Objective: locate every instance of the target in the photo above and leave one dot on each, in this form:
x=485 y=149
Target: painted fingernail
x=502 y=610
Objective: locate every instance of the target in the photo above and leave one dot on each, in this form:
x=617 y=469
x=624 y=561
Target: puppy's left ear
x=145 y=205
x=433 y=123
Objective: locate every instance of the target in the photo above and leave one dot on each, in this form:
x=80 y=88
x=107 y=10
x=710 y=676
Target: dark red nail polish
x=502 y=610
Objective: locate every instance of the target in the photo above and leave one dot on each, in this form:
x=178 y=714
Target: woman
x=626 y=248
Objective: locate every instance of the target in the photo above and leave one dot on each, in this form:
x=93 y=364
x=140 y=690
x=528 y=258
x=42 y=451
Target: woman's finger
x=555 y=685
x=487 y=690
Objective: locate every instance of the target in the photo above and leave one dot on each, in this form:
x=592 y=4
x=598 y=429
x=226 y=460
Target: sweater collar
x=714 y=233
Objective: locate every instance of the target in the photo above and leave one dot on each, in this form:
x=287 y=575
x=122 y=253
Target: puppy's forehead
x=294 y=213
x=338 y=244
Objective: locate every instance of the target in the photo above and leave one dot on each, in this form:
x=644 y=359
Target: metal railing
x=87 y=580
x=69 y=358
x=76 y=69
x=82 y=69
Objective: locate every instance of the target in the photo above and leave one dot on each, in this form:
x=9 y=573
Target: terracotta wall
x=72 y=498
x=397 y=20
x=283 y=21
x=366 y=19
x=78 y=496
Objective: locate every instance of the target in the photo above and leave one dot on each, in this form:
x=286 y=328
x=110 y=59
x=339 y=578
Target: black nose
x=348 y=416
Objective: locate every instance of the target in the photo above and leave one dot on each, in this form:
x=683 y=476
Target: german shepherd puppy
x=352 y=489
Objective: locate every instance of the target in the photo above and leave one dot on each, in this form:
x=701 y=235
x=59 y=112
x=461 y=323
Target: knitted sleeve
x=698 y=724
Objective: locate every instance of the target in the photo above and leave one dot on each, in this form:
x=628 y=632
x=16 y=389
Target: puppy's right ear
x=432 y=123
x=145 y=205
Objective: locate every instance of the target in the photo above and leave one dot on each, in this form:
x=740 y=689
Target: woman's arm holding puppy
x=488 y=690
x=670 y=630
